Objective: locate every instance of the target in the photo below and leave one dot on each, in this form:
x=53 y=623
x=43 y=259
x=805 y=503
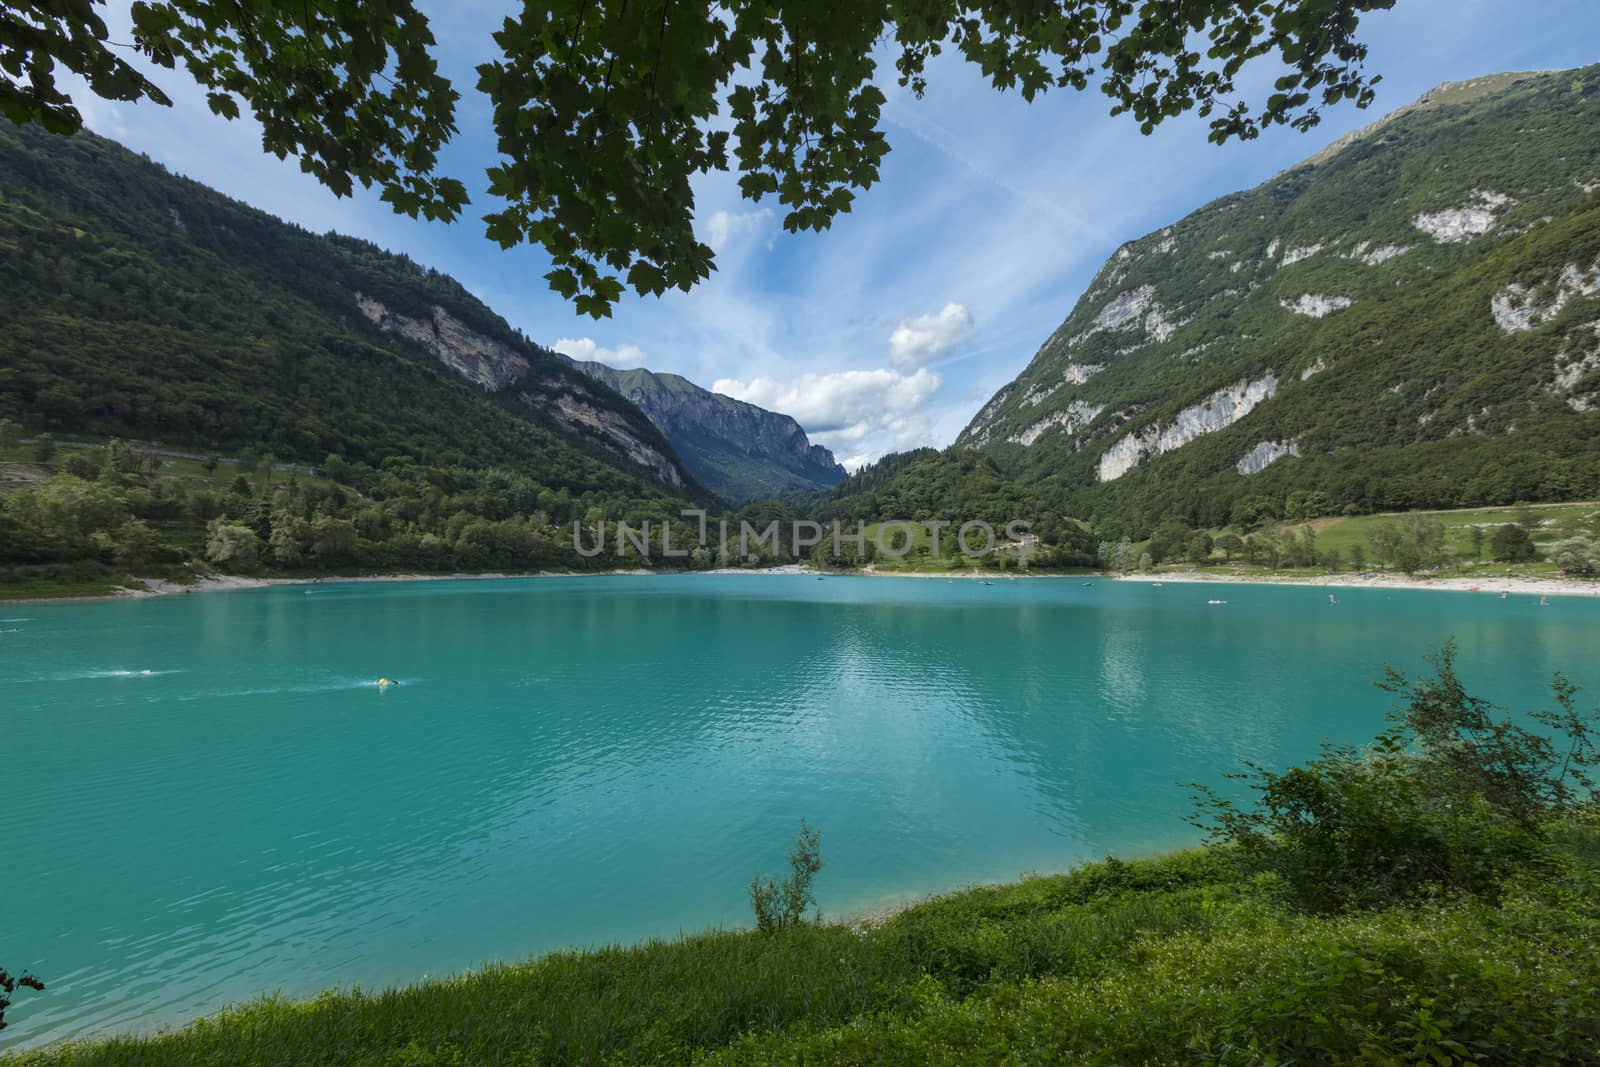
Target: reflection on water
x=213 y=798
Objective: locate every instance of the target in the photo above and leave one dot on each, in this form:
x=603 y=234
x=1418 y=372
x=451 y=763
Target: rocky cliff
x=543 y=386
x=737 y=450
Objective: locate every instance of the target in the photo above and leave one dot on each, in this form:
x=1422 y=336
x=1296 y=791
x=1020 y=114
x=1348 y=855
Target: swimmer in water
x=384 y=683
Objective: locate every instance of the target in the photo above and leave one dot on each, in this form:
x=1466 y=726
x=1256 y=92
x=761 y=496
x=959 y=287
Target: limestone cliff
x=737 y=450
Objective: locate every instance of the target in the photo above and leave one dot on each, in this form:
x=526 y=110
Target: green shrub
x=782 y=904
x=1449 y=800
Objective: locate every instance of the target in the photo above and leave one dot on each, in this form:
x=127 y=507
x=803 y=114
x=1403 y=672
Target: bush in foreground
x=1452 y=799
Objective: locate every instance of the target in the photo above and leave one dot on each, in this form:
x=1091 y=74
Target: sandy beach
x=1511 y=584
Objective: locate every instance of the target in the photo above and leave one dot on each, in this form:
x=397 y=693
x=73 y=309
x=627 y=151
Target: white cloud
x=871 y=411
x=584 y=348
x=918 y=341
x=722 y=228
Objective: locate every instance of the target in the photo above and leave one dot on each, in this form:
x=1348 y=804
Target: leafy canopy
x=605 y=110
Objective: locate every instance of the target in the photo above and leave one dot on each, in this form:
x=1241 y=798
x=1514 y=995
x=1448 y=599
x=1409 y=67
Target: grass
x=1551 y=522
x=1172 y=959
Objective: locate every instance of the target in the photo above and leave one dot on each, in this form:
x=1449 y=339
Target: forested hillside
x=144 y=305
x=1410 y=319
x=140 y=306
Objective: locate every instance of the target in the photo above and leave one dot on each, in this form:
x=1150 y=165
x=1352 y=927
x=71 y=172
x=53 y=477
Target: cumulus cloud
x=722 y=228
x=868 y=411
x=920 y=340
x=585 y=349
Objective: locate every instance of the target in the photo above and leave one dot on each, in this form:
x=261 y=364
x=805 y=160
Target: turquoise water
x=208 y=798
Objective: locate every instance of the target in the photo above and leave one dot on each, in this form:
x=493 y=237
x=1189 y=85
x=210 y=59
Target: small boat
x=1332 y=599
x=1216 y=602
x=1544 y=602
x=1155 y=585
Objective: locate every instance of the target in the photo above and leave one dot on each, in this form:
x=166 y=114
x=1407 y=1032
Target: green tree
x=1167 y=540
x=44 y=448
x=782 y=903
x=333 y=541
x=335 y=467
x=1577 y=555
x=1231 y=545
x=1384 y=537
x=608 y=110
x=135 y=544
x=1251 y=513
x=1512 y=543
x=231 y=545
x=1477 y=542
x=286 y=543
x=1199 y=547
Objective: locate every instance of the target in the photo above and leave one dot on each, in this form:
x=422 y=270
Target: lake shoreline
x=1510 y=584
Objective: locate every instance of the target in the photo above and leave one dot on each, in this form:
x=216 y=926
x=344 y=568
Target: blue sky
x=889 y=330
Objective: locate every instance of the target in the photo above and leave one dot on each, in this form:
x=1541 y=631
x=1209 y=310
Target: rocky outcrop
x=1295 y=255
x=1265 y=455
x=1316 y=305
x=1519 y=307
x=580 y=414
x=490 y=363
x=496 y=366
x=1072 y=418
x=1216 y=412
x=1577 y=361
x=1465 y=222
x=1374 y=256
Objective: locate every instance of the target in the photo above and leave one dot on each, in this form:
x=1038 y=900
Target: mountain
x=139 y=304
x=1410 y=318
x=737 y=450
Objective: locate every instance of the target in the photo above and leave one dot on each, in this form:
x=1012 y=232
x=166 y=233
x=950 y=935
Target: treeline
x=956 y=486
x=117 y=508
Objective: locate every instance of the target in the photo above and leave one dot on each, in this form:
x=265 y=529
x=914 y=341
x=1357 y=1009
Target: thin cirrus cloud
x=585 y=349
x=916 y=342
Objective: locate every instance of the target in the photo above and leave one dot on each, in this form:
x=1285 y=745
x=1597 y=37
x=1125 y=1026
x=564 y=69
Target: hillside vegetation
x=144 y=306
x=1411 y=321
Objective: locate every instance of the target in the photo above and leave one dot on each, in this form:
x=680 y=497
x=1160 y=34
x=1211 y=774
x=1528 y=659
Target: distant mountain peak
x=737 y=450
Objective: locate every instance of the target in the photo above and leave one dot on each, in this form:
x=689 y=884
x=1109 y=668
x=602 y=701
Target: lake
x=207 y=797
